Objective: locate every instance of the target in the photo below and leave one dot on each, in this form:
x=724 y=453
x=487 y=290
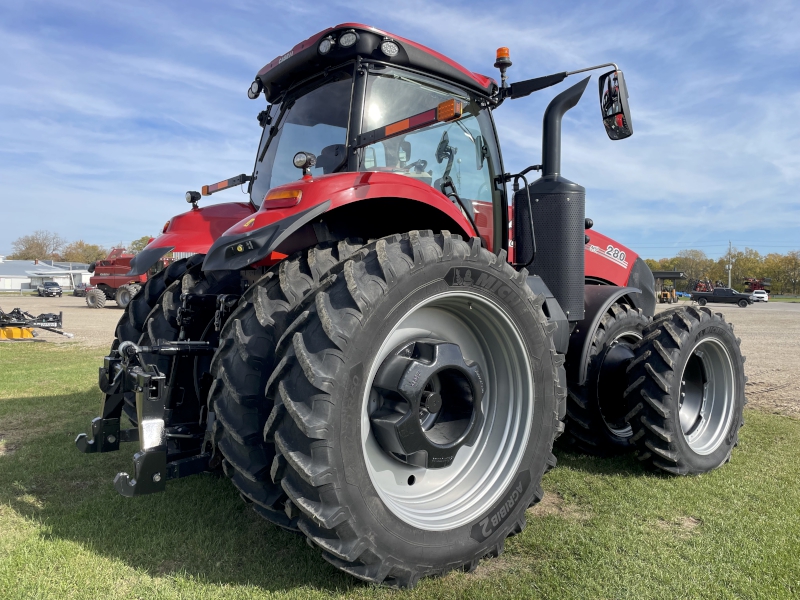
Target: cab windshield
x=315 y=121
x=451 y=157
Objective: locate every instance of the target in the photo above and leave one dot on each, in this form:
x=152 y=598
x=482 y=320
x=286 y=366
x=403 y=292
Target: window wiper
x=273 y=131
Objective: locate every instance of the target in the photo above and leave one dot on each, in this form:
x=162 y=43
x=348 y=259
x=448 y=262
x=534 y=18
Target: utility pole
x=730 y=259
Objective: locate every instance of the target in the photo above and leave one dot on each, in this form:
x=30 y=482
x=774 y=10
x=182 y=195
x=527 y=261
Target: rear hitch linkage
x=125 y=371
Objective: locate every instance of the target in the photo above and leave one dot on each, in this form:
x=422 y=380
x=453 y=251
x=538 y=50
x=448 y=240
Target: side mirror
x=370 y=159
x=404 y=152
x=614 y=106
x=481 y=152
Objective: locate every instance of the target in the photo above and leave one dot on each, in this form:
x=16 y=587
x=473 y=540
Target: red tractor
x=752 y=284
x=110 y=280
x=380 y=348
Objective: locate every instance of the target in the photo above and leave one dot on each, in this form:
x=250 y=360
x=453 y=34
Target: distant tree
x=694 y=263
x=38 y=245
x=137 y=246
x=792 y=270
x=82 y=252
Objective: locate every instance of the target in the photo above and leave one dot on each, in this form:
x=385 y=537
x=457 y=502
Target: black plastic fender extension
x=553 y=311
x=146 y=259
x=597 y=299
x=233 y=252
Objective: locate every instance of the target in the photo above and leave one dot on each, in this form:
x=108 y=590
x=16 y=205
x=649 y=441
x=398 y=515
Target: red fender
x=252 y=240
x=346 y=188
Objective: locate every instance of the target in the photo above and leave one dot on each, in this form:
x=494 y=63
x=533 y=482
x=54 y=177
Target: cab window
x=451 y=157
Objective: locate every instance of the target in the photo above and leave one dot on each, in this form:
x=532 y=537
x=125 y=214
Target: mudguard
x=192 y=231
x=254 y=238
x=597 y=299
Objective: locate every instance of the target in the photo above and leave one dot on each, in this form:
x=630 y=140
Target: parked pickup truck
x=726 y=295
x=49 y=288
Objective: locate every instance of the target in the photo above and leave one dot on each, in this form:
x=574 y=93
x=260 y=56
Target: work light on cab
x=348 y=38
x=390 y=48
x=325 y=45
x=254 y=90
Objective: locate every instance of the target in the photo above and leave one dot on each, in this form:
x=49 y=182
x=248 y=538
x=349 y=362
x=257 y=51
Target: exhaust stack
x=557 y=213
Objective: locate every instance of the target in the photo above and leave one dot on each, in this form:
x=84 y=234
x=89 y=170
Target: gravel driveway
x=770 y=335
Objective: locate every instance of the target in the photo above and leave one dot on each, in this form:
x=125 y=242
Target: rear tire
x=243 y=363
x=686 y=390
x=95 y=298
x=125 y=294
x=354 y=499
x=702 y=301
x=595 y=422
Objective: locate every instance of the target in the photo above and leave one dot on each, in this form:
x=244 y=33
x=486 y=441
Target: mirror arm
x=527 y=87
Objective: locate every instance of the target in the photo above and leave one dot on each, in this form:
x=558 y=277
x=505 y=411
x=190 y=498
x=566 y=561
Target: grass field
x=605 y=530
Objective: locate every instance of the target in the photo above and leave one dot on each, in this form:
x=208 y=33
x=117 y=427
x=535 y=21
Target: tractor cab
x=356 y=109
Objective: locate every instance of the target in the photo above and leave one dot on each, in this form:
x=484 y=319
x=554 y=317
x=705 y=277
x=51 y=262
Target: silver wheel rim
x=444 y=499
x=626 y=337
x=707 y=396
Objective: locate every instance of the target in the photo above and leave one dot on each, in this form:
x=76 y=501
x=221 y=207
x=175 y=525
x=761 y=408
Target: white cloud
x=111 y=111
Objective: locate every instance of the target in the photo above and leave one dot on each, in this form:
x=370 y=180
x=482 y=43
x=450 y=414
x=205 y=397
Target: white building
x=28 y=274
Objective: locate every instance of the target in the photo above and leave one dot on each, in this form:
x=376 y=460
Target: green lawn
x=606 y=530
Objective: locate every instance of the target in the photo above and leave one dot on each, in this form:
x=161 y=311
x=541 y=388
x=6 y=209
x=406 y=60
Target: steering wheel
x=419 y=165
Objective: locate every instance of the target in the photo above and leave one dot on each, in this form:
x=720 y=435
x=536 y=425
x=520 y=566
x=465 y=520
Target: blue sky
x=110 y=111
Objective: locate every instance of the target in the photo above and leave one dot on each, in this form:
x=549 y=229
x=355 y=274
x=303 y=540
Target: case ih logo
x=474 y=278
x=487 y=526
x=286 y=56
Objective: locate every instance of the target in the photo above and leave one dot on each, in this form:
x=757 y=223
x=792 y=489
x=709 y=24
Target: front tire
x=376 y=513
x=742 y=303
x=243 y=363
x=125 y=294
x=686 y=390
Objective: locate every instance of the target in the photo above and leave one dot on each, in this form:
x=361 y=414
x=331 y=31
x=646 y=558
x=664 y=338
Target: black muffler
x=555 y=218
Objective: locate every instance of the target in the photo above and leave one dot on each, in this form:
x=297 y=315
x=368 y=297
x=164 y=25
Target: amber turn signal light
x=282 y=198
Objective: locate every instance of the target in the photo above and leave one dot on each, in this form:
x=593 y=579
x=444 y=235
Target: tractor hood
x=252 y=239
x=192 y=231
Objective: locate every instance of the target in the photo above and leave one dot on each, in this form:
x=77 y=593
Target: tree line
x=46 y=245
x=783 y=269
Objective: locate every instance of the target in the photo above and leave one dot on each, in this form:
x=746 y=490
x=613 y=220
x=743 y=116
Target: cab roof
x=305 y=60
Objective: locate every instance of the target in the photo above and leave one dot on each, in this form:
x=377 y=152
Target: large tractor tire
x=132 y=322
x=242 y=366
x=686 y=389
x=186 y=372
x=596 y=410
x=144 y=313
x=126 y=293
x=95 y=298
x=415 y=409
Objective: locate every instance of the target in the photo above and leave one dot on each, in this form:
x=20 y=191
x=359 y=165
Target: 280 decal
x=611 y=252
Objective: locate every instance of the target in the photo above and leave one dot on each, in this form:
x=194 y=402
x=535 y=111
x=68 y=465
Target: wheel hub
x=425 y=403
x=611 y=383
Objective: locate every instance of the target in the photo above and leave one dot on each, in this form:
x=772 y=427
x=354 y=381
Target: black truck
x=49 y=288
x=725 y=295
